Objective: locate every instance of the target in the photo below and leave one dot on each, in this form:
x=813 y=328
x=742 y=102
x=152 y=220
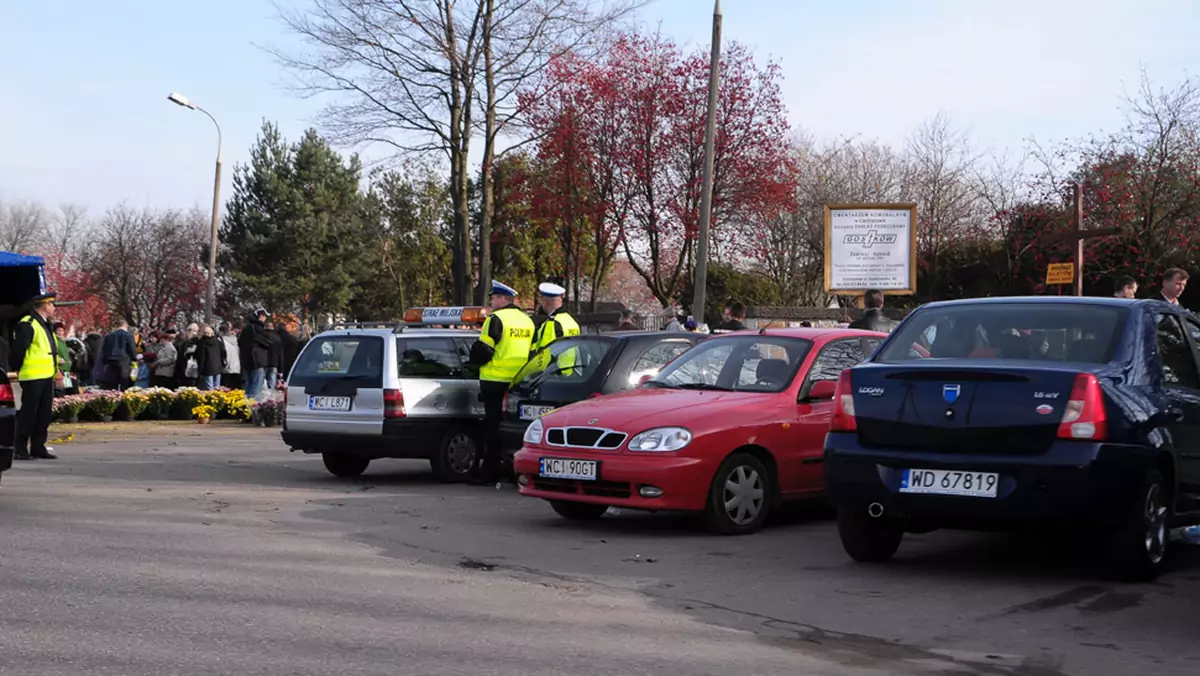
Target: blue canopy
x=14 y=260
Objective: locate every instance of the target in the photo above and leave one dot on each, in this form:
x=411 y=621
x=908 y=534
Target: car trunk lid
x=961 y=407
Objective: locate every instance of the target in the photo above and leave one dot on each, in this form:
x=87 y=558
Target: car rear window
x=1007 y=331
x=358 y=358
x=571 y=360
x=439 y=358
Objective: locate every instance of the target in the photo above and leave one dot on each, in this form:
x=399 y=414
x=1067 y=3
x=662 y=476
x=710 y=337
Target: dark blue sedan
x=1081 y=413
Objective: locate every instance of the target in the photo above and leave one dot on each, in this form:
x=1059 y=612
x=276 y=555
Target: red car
x=729 y=428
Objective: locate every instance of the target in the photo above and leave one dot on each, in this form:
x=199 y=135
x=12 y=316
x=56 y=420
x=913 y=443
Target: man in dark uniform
x=500 y=352
x=558 y=322
x=35 y=359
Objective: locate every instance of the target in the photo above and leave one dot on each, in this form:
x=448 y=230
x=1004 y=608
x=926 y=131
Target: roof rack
x=396 y=327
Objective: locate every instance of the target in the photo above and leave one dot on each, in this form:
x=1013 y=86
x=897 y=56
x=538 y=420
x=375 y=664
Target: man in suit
x=119 y=353
x=1174 y=281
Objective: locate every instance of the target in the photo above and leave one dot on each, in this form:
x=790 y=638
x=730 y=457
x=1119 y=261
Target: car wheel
x=740 y=497
x=867 y=539
x=578 y=511
x=345 y=466
x=1138 y=545
x=456 y=455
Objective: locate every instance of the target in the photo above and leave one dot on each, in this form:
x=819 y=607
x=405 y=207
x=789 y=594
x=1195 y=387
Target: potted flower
x=159 y=402
x=67 y=409
x=135 y=403
x=268 y=413
x=186 y=399
x=204 y=413
x=103 y=405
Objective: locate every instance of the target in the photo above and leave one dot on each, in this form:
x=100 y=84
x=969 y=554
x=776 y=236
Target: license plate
x=563 y=468
x=950 y=482
x=530 y=412
x=329 y=403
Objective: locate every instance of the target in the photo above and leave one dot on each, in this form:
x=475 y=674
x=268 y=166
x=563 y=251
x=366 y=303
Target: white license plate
x=950 y=482
x=329 y=403
x=529 y=412
x=563 y=468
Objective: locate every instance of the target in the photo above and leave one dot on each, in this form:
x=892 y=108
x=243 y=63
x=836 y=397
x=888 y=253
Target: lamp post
x=210 y=294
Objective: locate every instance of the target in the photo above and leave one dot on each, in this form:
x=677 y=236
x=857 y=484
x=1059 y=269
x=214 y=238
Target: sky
x=84 y=117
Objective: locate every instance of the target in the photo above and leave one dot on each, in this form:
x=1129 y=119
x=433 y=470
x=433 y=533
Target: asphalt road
x=189 y=550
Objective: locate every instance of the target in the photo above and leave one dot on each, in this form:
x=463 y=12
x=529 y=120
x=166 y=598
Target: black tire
x=345 y=466
x=455 y=456
x=1137 y=545
x=739 y=499
x=868 y=540
x=578 y=511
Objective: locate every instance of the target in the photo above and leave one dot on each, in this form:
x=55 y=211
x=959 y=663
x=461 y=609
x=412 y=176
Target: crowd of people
x=250 y=354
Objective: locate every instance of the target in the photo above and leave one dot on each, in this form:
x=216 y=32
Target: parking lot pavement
x=194 y=550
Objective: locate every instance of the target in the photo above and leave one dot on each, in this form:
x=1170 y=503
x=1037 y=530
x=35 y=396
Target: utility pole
x=700 y=279
x=1078 y=190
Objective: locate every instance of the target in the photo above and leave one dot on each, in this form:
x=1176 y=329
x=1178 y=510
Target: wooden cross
x=1078 y=235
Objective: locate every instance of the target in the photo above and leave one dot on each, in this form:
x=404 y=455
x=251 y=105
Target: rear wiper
x=700 y=386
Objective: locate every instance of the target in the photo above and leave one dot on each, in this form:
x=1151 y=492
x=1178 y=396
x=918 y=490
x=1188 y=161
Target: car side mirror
x=822 y=389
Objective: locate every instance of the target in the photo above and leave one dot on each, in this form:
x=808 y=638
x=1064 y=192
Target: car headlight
x=661 y=439
x=533 y=433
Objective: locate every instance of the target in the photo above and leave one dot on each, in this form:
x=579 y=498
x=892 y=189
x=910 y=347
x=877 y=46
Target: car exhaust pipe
x=875 y=510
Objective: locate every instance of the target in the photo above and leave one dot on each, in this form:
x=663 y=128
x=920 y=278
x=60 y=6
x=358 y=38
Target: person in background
x=34 y=357
x=873 y=318
x=1126 y=287
x=231 y=377
x=1174 y=281
x=164 y=363
x=627 y=323
x=274 y=360
x=210 y=358
x=737 y=318
x=187 y=368
x=146 y=359
x=63 y=384
x=253 y=348
x=118 y=354
x=291 y=348
x=671 y=314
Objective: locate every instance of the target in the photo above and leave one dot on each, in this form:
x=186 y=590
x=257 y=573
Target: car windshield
x=1009 y=331
x=339 y=358
x=568 y=360
x=755 y=363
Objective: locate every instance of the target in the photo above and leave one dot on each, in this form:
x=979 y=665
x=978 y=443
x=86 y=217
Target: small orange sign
x=1060 y=273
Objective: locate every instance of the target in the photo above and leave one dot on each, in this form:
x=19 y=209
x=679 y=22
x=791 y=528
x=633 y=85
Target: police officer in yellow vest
x=558 y=322
x=35 y=359
x=501 y=351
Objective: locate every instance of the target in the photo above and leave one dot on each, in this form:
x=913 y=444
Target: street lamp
x=209 y=298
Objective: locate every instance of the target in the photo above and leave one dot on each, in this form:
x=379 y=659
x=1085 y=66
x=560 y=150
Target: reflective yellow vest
x=547 y=334
x=512 y=351
x=39 y=358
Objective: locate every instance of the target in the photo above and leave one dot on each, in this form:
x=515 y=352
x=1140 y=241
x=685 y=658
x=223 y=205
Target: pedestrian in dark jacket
x=94 y=342
x=187 y=369
x=274 y=360
x=118 y=354
x=254 y=350
x=210 y=359
x=873 y=318
x=291 y=349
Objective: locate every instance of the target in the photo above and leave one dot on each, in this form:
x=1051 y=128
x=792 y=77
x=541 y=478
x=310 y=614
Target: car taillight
x=843 y=406
x=393 y=404
x=6 y=394
x=1084 y=416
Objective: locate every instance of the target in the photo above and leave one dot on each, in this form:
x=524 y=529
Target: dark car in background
x=576 y=368
x=1080 y=414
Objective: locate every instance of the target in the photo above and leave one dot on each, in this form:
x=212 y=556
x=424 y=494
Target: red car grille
x=597 y=489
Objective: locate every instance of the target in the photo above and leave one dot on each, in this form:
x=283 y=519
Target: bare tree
x=23 y=226
x=67 y=235
x=520 y=38
x=403 y=74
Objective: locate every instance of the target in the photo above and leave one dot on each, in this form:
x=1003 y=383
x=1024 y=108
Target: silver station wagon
x=361 y=392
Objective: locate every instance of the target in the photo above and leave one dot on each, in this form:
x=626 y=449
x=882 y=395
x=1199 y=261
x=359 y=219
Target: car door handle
x=1175 y=414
